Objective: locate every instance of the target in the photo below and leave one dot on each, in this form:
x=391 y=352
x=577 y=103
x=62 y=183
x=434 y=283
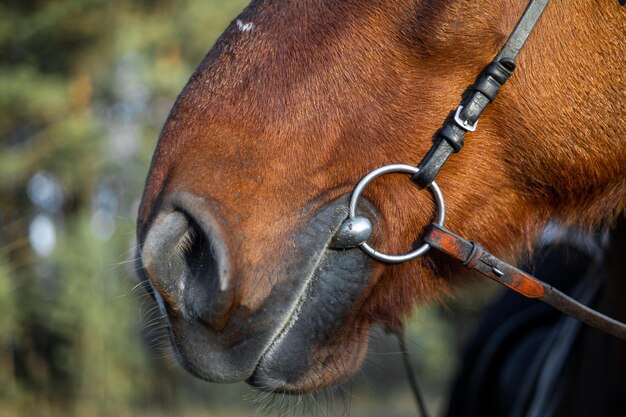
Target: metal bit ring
x=388 y=169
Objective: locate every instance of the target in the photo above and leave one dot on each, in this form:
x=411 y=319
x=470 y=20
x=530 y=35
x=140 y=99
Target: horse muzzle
x=286 y=341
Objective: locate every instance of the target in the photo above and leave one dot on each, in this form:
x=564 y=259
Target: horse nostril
x=187 y=264
x=202 y=281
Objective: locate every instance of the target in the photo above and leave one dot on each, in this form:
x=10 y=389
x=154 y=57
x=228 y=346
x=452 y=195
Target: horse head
x=299 y=99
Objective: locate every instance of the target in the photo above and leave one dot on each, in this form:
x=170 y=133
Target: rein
x=357 y=229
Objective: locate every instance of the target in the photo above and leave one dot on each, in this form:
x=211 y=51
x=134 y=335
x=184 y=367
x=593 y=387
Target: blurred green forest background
x=85 y=86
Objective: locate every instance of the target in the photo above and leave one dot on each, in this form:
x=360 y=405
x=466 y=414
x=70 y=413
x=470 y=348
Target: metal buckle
x=387 y=169
x=463 y=124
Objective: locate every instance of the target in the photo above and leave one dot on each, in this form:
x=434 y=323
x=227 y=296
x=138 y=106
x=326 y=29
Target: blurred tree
x=85 y=86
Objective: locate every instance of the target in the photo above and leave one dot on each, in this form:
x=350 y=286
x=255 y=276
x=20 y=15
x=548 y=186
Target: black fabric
x=504 y=355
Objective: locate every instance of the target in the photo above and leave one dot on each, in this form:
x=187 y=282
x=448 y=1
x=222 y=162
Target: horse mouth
x=322 y=341
x=306 y=334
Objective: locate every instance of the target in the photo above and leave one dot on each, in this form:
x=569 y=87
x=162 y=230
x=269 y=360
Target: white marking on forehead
x=244 y=26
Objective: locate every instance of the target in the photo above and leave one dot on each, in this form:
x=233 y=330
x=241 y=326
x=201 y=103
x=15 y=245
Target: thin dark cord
x=408 y=367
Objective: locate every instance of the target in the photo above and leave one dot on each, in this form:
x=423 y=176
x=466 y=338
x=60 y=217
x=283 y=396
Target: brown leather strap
x=473 y=256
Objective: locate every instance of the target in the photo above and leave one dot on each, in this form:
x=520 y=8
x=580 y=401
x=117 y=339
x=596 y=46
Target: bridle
x=357 y=229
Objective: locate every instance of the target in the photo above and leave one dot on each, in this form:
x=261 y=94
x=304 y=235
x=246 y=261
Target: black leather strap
x=450 y=138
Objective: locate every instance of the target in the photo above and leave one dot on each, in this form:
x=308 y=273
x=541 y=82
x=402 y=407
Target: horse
x=295 y=102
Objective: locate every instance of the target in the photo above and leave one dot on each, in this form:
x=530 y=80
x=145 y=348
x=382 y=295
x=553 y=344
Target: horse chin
x=324 y=365
x=324 y=340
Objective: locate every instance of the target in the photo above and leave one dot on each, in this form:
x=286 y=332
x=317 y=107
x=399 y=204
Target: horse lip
x=347 y=259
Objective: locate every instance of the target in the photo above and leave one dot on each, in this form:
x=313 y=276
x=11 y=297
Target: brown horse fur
x=286 y=116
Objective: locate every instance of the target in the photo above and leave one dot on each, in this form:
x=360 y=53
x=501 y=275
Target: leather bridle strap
x=473 y=256
x=450 y=138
